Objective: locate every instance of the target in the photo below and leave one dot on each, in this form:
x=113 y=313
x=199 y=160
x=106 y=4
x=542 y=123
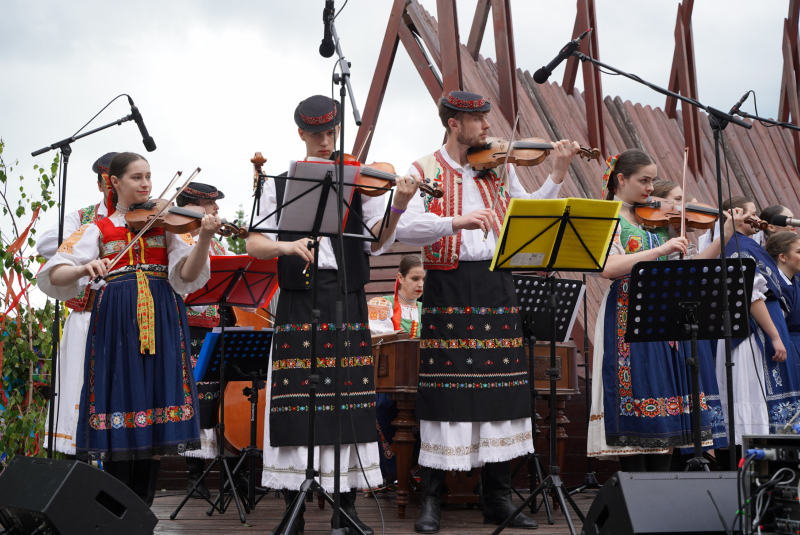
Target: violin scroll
x=258 y=161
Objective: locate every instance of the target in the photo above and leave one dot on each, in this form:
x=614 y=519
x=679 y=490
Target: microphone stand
x=345 y=89
x=65 y=146
x=769 y=121
x=719 y=121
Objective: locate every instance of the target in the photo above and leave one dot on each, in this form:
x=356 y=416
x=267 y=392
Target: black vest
x=290 y=267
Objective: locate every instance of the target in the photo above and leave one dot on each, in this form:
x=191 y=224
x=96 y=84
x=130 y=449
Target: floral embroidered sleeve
x=616 y=244
x=78 y=249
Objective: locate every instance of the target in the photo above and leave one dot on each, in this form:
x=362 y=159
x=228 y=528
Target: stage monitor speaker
x=48 y=496
x=662 y=503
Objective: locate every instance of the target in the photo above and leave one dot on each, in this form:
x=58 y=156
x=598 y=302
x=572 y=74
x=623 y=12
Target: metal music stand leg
x=690 y=325
x=225 y=475
x=553 y=481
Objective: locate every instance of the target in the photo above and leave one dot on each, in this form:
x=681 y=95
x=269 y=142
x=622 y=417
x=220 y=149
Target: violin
x=525 y=152
x=657 y=212
x=381 y=175
x=758 y=224
x=259 y=178
x=178 y=220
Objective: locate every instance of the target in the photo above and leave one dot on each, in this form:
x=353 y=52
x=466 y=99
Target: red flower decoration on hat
x=465 y=103
x=322 y=119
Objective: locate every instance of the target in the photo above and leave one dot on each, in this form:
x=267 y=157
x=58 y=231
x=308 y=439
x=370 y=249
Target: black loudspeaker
x=68 y=497
x=662 y=503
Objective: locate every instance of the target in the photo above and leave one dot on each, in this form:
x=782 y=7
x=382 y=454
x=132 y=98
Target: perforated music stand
x=666 y=300
x=533 y=295
x=247 y=351
x=237 y=281
x=567 y=235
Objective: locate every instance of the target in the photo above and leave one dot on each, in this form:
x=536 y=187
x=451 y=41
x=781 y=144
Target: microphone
x=147 y=139
x=327 y=47
x=544 y=73
x=785 y=221
x=738 y=105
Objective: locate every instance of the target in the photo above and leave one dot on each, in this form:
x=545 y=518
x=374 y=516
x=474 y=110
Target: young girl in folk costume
x=68 y=374
x=766 y=362
x=644 y=407
x=139 y=399
x=398 y=312
x=767 y=214
x=784 y=248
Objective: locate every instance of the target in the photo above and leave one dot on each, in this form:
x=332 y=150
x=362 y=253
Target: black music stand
x=237 y=281
x=246 y=352
x=532 y=298
x=319 y=193
x=666 y=302
x=557 y=228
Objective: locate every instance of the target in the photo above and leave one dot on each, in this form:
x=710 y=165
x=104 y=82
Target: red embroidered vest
x=210 y=316
x=151 y=249
x=87 y=215
x=443 y=253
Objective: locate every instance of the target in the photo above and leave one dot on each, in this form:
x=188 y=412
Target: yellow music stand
x=568 y=235
x=556 y=235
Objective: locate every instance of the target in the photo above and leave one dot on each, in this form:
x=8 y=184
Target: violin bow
x=683 y=199
x=171 y=183
x=151 y=222
x=505 y=172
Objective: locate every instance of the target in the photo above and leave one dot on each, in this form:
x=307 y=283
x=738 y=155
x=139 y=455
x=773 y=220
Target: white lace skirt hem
x=465 y=445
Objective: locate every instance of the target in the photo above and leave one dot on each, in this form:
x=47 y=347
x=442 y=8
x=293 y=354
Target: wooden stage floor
x=455 y=518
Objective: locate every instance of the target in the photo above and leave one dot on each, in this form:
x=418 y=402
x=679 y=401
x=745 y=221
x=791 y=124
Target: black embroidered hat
x=466 y=101
x=102 y=164
x=317 y=114
x=198 y=191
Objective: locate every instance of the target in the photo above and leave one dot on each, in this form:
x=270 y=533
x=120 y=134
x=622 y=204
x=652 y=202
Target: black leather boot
x=300 y=522
x=195 y=468
x=347 y=502
x=121 y=470
x=430 y=513
x=145 y=479
x=496 y=482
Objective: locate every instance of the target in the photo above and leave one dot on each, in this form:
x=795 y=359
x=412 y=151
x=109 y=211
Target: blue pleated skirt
x=647 y=386
x=135 y=405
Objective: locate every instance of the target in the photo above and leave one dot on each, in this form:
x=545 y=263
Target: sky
x=218 y=81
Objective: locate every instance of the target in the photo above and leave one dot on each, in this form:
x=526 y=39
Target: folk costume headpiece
x=317 y=114
x=100 y=168
x=466 y=101
x=611 y=163
x=197 y=191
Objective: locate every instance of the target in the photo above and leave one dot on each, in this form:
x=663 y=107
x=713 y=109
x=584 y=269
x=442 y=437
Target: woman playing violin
x=641 y=412
x=768 y=354
x=286 y=426
x=139 y=399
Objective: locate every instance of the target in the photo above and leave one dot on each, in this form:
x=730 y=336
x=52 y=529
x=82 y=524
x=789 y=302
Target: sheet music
x=298 y=216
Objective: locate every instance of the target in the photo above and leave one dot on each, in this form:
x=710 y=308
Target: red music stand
x=236 y=281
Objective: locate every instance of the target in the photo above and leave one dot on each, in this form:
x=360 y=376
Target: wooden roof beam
x=397 y=30
x=683 y=80
x=449 y=45
x=585 y=18
x=789 y=110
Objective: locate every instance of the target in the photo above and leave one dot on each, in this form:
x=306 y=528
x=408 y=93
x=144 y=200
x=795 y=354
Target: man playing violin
x=286 y=425
x=473 y=399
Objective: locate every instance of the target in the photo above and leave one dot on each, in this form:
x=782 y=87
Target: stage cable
x=340 y=264
x=99 y=112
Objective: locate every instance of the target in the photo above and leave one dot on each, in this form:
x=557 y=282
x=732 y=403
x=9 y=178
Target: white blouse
x=47 y=243
x=418 y=227
x=373 y=209
x=84 y=246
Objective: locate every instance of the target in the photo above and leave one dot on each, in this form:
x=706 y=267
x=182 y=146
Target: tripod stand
x=241 y=281
x=557 y=226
